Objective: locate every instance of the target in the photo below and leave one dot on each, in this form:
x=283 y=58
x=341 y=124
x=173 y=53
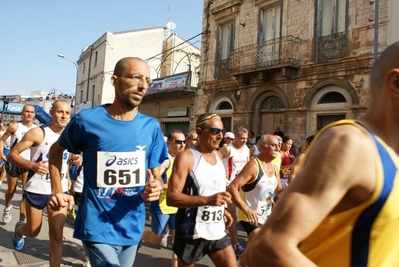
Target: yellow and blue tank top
x=165 y=209
x=366 y=235
x=258 y=194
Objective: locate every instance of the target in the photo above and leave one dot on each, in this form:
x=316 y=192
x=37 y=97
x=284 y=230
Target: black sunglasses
x=178 y=142
x=214 y=131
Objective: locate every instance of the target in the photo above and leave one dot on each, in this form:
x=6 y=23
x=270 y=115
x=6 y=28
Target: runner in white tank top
x=38 y=188
x=197 y=187
x=258 y=182
x=235 y=156
x=16 y=131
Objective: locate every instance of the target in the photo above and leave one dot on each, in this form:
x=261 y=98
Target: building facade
x=295 y=64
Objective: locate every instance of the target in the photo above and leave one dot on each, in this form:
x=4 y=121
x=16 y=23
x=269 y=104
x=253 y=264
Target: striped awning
x=175 y=119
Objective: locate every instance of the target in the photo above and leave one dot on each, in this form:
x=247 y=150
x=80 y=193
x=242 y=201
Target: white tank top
x=258 y=194
x=235 y=162
x=78 y=184
x=209 y=180
x=17 y=137
x=41 y=184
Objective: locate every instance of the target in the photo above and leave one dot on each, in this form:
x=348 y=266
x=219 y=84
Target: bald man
x=123 y=150
x=341 y=210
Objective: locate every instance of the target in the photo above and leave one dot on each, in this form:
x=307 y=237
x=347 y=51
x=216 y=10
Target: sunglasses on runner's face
x=178 y=142
x=214 y=131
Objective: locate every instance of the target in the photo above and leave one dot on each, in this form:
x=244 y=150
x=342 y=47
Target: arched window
x=332 y=97
x=272 y=103
x=330 y=103
x=224 y=105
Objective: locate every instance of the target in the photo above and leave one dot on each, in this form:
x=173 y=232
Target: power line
x=176 y=45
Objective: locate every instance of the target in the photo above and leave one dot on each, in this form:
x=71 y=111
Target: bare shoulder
x=219 y=154
x=36 y=135
x=225 y=151
x=345 y=138
x=184 y=157
x=12 y=128
x=342 y=154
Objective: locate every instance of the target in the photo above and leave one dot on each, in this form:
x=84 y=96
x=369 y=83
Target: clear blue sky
x=34 y=32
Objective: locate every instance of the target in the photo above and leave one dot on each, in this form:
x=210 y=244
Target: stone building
x=171 y=98
x=296 y=64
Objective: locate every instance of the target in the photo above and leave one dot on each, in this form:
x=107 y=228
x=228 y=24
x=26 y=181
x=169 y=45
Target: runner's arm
x=32 y=138
x=175 y=196
x=327 y=177
x=244 y=177
x=12 y=128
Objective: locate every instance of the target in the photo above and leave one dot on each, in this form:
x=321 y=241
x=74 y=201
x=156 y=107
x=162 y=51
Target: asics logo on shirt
x=121 y=161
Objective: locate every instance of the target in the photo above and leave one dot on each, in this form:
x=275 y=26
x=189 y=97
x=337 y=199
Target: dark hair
x=309 y=139
x=188 y=133
x=172 y=132
x=286 y=138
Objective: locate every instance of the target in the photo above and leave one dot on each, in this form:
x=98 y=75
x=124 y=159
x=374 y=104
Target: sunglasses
x=178 y=142
x=214 y=131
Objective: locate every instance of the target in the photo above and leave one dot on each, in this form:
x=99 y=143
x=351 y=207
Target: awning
x=175 y=119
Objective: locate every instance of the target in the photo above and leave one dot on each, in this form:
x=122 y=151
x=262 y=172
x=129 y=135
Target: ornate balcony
x=271 y=54
x=331 y=47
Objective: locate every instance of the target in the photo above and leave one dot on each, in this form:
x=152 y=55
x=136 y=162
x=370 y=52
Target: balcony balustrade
x=271 y=54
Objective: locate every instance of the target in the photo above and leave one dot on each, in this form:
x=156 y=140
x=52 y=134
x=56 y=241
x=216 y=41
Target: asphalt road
x=35 y=251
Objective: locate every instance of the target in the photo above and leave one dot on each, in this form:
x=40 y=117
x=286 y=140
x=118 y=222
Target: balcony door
x=269 y=33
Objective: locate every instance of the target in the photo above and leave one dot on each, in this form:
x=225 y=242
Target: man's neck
x=204 y=150
x=120 y=113
x=56 y=129
x=238 y=146
x=27 y=123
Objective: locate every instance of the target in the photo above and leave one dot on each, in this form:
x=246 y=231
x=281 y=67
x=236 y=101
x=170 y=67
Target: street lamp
x=77 y=72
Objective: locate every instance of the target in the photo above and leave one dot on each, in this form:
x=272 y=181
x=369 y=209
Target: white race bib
x=46 y=177
x=210 y=214
x=120 y=169
x=264 y=208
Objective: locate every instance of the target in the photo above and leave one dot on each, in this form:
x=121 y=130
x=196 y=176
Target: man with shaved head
x=37 y=190
x=123 y=150
x=16 y=131
x=342 y=208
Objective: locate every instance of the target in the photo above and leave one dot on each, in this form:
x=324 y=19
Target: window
x=272 y=103
x=224 y=105
x=84 y=67
x=95 y=58
x=81 y=96
x=323 y=120
x=226 y=40
x=331 y=27
x=332 y=97
x=225 y=44
x=332 y=15
x=269 y=23
x=93 y=91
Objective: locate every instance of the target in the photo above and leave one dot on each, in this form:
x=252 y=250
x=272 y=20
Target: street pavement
x=35 y=251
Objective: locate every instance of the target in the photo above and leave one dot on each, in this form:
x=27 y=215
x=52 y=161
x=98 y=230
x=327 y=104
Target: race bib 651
x=120 y=169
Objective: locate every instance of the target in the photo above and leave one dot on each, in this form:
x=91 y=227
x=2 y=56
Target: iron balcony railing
x=276 y=53
x=331 y=47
